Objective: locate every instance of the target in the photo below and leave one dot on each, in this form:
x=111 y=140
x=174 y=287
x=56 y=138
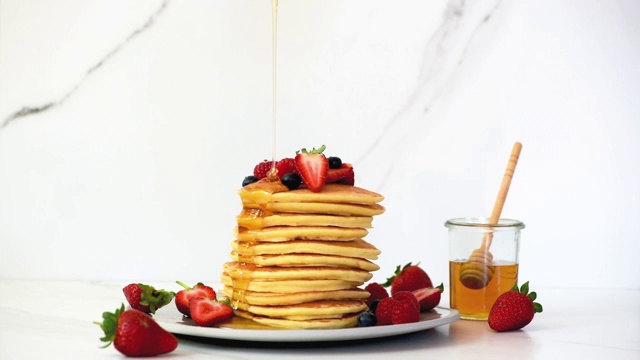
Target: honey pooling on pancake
x=299 y=260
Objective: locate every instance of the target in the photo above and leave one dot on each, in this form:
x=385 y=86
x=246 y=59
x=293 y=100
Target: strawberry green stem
x=187 y=287
x=314 y=151
x=524 y=289
x=398 y=271
x=109 y=324
x=153 y=298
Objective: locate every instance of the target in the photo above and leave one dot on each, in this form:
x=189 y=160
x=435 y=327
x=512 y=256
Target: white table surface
x=54 y=320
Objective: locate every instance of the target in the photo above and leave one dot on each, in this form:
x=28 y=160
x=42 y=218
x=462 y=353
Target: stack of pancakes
x=299 y=256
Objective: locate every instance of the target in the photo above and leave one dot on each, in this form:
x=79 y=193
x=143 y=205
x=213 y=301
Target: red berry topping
x=428 y=298
x=312 y=167
x=376 y=292
x=286 y=166
x=384 y=311
x=404 y=312
x=407 y=296
x=343 y=175
x=262 y=169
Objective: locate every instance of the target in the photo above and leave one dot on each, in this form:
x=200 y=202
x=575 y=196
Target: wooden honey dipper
x=477 y=271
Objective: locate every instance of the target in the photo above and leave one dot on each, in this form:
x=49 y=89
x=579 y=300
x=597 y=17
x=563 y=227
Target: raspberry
x=404 y=312
x=384 y=310
x=407 y=296
x=376 y=291
x=286 y=166
x=262 y=169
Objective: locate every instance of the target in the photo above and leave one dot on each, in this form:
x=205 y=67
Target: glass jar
x=483 y=263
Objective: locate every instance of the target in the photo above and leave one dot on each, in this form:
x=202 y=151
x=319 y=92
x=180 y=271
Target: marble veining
x=26 y=111
x=444 y=54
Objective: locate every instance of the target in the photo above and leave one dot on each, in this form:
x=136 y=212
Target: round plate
x=173 y=321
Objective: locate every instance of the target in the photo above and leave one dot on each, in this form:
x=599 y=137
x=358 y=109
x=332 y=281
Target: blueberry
x=291 y=180
x=367 y=319
x=334 y=162
x=249 y=180
x=374 y=305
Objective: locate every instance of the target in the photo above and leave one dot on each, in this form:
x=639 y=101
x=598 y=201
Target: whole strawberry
x=408 y=278
x=514 y=309
x=199 y=290
x=146 y=298
x=136 y=334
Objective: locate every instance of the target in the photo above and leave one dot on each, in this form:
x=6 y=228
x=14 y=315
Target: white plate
x=173 y=321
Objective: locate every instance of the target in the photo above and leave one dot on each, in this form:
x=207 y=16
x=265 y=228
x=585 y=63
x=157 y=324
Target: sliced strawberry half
x=312 y=167
x=429 y=297
x=344 y=175
x=199 y=290
x=208 y=312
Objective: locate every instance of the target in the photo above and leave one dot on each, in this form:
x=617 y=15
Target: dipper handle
x=502 y=193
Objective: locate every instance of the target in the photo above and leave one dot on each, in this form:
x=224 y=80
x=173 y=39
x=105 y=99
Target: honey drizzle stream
x=267 y=186
x=274 y=51
x=257 y=195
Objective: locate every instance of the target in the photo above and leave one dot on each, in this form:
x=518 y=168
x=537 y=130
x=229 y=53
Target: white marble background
x=127 y=126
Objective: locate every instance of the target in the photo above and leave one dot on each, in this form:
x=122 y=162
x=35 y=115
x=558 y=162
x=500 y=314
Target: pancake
x=302 y=259
x=271 y=298
x=299 y=256
x=331 y=193
x=356 y=248
x=306 y=311
x=286 y=233
x=349 y=320
x=242 y=271
x=256 y=219
x=325 y=208
x=264 y=192
x=288 y=286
